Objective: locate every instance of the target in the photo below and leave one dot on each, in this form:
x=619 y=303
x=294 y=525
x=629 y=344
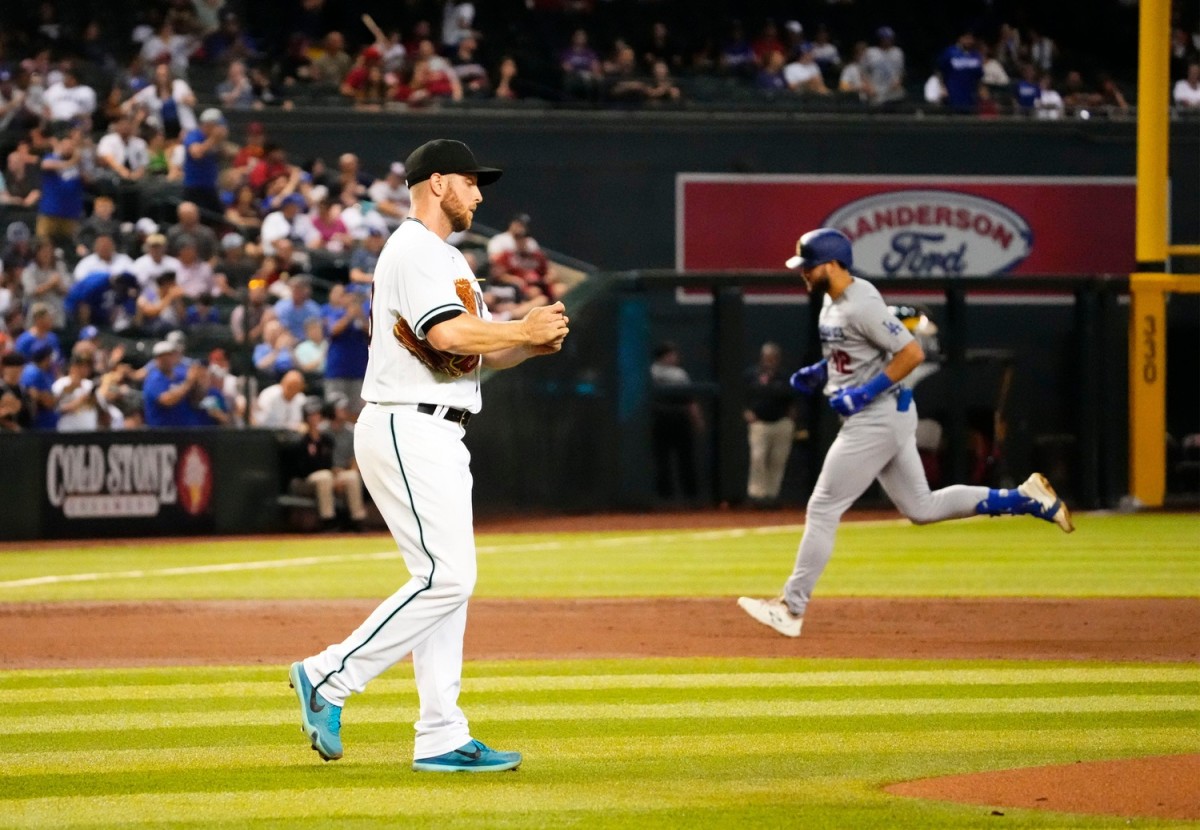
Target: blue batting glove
x=810 y=379
x=849 y=401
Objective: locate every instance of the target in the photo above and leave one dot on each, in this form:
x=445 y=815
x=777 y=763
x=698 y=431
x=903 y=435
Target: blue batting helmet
x=822 y=245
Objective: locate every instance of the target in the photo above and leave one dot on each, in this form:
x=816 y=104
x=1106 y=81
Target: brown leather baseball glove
x=439 y=362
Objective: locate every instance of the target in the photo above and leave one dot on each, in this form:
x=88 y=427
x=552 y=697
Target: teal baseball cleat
x=320 y=720
x=471 y=757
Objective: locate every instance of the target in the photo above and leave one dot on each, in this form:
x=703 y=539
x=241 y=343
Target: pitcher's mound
x=1158 y=787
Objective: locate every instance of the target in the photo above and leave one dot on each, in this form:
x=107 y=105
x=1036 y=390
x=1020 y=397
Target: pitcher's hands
x=546 y=328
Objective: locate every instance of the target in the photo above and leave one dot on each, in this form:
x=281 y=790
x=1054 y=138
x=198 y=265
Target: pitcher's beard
x=458 y=214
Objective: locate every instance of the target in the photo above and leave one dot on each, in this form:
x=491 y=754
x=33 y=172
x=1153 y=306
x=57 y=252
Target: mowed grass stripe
x=203 y=705
x=780 y=762
x=211 y=677
x=398 y=731
x=977 y=557
x=51 y=691
x=387 y=750
x=502 y=798
x=127 y=720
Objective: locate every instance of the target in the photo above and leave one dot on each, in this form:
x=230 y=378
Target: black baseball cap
x=445 y=155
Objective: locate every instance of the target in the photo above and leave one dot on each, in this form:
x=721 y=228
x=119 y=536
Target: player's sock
x=1007 y=503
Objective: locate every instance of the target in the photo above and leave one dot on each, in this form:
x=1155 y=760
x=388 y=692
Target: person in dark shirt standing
x=61 y=207
x=310 y=463
x=677 y=419
x=961 y=69
x=203 y=147
x=37 y=380
x=346 y=320
x=16 y=406
x=771 y=426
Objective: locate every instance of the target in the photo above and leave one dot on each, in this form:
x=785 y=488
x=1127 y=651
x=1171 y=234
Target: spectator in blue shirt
x=61 y=206
x=961 y=69
x=100 y=298
x=294 y=310
x=275 y=356
x=40 y=333
x=37 y=379
x=364 y=259
x=203 y=147
x=171 y=393
x=346 y=319
x=1026 y=90
x=202 y=312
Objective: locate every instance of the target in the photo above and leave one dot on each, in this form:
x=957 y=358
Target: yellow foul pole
x=1147 y=319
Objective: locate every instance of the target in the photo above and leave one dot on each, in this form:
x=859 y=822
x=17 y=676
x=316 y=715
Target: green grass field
x=635 y=743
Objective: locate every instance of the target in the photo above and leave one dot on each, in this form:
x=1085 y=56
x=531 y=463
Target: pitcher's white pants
x=417 y=470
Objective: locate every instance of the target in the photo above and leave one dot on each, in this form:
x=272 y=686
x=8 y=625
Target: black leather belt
x=458 y=416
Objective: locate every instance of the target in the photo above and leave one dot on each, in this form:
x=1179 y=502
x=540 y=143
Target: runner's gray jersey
x=859 y=335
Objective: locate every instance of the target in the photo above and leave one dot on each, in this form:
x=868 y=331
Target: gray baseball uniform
x=859 y=337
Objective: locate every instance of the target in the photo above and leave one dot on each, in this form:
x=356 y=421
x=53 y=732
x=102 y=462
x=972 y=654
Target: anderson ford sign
x=912 y=227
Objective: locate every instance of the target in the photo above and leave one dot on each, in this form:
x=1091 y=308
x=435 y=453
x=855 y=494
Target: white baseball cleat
x=1054 y=509
x=773 y=613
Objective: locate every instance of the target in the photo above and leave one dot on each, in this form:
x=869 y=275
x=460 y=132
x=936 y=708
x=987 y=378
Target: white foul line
x=299 y=562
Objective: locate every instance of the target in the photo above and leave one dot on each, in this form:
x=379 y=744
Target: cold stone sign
x=933 y=233
x=92 y=481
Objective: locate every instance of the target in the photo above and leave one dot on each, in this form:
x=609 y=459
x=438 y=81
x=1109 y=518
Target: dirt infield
x=95 y=634
x=1163 y=787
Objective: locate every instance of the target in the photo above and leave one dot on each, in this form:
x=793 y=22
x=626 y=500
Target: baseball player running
x=868 y=355
x=430 y=334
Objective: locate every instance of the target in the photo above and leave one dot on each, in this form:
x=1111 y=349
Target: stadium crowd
x=159 y=270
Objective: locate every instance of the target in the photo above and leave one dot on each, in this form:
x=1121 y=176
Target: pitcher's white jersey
x=859 y=335
x=416 y=278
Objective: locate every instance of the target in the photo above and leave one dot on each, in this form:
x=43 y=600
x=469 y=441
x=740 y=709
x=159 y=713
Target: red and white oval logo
x=933 y=233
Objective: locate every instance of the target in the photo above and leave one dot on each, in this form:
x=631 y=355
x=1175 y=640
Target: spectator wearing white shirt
x=390 y=195
x=358 y=219
x=168 y=99
x=883 y=68
x=75 y=396
x=281 y=406
x=104 y=258
x=804 y=74
x=1187 y=90
x=506 y=242
x=195 y=275
x=289 y=222
x=68 y=99
x=154 y=261
x=165 y=46
x=122 y=153
x=1049 y=105
x=457 y=20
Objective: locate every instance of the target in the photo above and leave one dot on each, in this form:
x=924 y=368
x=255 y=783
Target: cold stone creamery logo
x=127 y=480
x=933 y=233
